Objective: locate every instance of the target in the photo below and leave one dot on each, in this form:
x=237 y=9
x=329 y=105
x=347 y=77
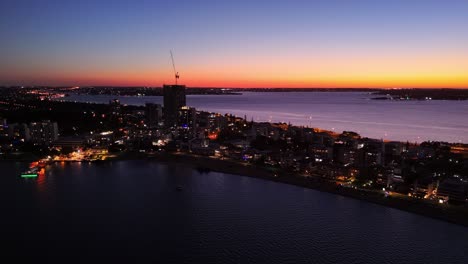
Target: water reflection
x=131 y=208
x=409 y=120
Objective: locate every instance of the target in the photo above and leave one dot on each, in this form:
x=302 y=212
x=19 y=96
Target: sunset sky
x=330 y=43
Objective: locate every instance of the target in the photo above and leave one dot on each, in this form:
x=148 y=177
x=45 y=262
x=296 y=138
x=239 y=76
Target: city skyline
x=241 y=131
x=324 y=44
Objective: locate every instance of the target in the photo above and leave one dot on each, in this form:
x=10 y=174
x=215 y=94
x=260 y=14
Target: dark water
x=131 y=211
x=415 y=121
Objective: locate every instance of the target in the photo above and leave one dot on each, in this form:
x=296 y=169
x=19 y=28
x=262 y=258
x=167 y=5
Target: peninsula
x=429 y=178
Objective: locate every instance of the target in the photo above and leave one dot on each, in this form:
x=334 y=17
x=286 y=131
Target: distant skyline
x=323 y=44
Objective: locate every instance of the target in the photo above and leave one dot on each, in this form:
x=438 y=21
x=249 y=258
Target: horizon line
x=226 y=87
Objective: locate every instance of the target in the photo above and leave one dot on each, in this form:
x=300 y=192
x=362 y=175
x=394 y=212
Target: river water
x=413 y=121
x=132 y=212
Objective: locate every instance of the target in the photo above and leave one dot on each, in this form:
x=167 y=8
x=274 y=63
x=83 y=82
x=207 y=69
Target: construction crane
x=173 y=66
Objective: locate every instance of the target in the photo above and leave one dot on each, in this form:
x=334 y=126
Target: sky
x=329 y=43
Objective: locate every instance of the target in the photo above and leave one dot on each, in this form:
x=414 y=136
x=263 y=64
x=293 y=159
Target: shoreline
x=448 y=213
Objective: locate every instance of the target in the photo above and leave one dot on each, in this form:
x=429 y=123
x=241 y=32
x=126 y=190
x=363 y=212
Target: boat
x=179 y=188
x=32 y=173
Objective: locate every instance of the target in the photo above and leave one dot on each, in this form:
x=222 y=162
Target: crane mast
x=176 y=74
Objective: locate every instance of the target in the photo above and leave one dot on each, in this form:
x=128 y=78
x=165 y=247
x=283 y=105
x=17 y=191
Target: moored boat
x=32 y=173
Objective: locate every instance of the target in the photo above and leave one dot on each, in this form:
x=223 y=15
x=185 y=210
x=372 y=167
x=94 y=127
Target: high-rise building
x=153 y=114
x=174 y=99
x=344 y=152
x=43 y=132
x=187 y=117
x=19 y=132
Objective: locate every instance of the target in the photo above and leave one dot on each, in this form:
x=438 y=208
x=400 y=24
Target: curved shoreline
x=453 y=214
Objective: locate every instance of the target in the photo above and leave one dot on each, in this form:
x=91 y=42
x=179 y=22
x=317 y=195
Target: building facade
x=174 y=99
x=153 y=114
x=44 y=132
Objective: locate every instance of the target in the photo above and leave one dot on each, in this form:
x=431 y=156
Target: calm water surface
x=415 y=121
x=131 y=211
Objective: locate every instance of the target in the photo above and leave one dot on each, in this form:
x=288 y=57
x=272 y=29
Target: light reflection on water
x=131 y=210
x=338 y=111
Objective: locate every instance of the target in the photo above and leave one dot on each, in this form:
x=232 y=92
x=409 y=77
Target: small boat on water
x=32 y=173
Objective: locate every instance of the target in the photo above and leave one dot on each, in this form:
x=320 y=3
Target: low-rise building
x=452 y=190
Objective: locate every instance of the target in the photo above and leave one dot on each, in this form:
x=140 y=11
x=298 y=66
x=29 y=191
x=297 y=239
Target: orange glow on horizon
x=356 y=71
x=202 y=80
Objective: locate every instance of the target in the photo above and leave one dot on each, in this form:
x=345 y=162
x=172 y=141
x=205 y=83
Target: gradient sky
x=330 y=43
